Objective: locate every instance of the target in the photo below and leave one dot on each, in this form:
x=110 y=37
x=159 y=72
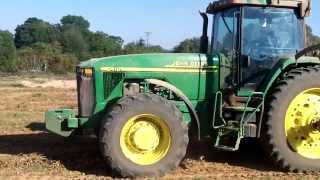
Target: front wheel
x=291 y=133
x=143 y=135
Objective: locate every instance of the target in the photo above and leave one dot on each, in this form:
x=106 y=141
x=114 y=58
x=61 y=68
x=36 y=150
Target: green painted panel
x=195 y=74
x=57 y=121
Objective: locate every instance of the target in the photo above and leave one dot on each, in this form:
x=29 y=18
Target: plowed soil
x=27 y=151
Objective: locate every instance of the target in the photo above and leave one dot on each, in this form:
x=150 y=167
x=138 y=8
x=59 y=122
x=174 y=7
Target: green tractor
x=254 y=81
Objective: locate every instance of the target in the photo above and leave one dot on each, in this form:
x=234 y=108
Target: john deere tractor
x=254 y=81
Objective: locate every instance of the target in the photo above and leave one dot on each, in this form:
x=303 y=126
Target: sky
x=170 y=21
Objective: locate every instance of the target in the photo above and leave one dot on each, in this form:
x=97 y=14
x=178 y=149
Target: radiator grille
x=86 y=95
x=111 y=80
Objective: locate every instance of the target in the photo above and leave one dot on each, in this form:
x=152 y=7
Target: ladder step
x=241 y=109
x=231 y=128
x=226 y=148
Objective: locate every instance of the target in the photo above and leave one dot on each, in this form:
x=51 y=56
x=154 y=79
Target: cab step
x=241 y=109
x=232 y=148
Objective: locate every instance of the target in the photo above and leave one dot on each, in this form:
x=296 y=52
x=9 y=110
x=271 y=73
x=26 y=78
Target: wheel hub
x=145 y=136
x=302 y=124
x=145 y=139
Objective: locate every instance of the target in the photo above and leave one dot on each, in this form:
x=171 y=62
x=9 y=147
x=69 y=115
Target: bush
x=45 y=58
x=62 y=63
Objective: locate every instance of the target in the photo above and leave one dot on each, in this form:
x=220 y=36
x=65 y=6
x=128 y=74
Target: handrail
x=218 y=95
x=246 y=107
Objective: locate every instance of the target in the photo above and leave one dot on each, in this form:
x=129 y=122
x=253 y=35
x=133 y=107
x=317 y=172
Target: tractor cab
x=251 y=37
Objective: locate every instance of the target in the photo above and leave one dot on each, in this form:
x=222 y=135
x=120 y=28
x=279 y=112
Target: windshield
x=268 y=35
x=271 y=33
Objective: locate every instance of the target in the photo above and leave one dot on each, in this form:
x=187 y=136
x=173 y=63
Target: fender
x=284 y=65
x=181 y=95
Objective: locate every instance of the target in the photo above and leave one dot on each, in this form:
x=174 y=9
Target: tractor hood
x=147 y=62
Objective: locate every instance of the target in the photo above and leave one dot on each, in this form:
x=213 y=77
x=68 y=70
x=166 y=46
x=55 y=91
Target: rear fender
x=285 y=65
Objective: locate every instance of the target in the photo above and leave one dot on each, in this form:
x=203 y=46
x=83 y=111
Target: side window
x=225 y=44
x=225 y=27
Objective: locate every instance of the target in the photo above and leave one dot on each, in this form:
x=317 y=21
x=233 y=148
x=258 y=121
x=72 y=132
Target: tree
x=188 y=46
x=77 y=21
x=140 y=47
x=76 y=36
x=101 y=44
x=74 y=42
x=35 y=31
x=7 y=52
x=118 y=43
x=311 y=38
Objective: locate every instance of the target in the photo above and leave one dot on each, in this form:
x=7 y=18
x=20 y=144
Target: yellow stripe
x=177 y=69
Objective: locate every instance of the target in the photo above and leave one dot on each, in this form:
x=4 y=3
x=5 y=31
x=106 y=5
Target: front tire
x=143 y=135
x=291 y=130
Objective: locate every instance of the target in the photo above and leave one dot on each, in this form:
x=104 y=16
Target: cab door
x=226 y=46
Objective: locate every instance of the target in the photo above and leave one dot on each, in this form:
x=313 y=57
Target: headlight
x=88 y=72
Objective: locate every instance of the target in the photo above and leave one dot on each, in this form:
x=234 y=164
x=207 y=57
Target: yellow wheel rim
x=145 y=139
x=302 y=124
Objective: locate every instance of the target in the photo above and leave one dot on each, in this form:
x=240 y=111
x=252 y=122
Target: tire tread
x=123 y=105
x=275 y=96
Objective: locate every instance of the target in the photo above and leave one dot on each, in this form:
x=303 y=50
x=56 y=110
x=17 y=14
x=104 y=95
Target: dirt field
x=27 y=151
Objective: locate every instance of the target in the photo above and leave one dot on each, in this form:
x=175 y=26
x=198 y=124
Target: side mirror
x=246 y=61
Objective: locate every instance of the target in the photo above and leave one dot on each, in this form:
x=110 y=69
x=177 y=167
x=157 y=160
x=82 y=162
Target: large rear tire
x=291 y=130
x=143 y=135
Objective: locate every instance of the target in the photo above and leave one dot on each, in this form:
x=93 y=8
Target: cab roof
x=303 y=5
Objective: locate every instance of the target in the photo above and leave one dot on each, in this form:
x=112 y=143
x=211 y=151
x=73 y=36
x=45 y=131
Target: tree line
x=38 y=46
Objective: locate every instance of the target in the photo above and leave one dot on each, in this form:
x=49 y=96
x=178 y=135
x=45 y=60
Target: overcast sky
x=170 y=21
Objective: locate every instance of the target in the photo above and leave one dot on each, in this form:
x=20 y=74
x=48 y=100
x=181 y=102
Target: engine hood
x=147 y=62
